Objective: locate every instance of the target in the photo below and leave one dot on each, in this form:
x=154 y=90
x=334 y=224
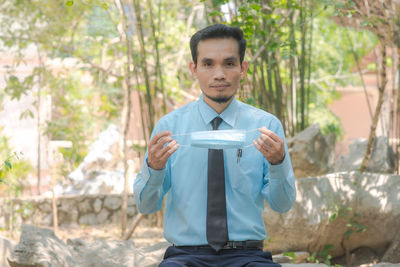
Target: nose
x=219 y=73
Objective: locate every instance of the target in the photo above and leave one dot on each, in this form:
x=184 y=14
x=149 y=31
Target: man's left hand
x=270 y=145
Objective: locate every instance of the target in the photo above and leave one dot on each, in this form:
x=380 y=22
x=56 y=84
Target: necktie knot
x=216 y=122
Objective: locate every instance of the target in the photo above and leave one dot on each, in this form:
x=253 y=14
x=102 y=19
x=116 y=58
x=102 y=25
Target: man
x=215 y=197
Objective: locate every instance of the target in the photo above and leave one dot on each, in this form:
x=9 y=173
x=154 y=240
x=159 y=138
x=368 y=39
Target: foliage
x=322 y=256
x=13 y=170
x=292 y=31
x=92 y=53
x=353 y=224
x=290 y=254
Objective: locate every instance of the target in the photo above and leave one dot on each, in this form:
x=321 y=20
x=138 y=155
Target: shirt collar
x=229 y=115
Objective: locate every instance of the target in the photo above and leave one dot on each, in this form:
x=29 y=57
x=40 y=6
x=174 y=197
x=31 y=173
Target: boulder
x=393 y=253
x=358 y=257
x=381 y=161
x=298 y=257
x=311 y=152
x=327 y=205
x=40 y=247
x=101 y=172
x=6 y=247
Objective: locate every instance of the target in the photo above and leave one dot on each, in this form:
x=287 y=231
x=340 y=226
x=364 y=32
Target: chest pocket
x=246 y=174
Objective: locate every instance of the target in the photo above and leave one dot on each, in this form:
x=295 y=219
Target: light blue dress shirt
x=184 y=179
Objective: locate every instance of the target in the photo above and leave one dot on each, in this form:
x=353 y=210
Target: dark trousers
x=207 y=257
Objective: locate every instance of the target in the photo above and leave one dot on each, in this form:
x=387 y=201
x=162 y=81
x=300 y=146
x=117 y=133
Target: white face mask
x=220 y=139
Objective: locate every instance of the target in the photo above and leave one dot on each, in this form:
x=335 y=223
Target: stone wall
x=72 y=210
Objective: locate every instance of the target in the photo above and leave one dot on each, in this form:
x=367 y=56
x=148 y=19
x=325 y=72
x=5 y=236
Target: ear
x=193 y=68
x=244 y=67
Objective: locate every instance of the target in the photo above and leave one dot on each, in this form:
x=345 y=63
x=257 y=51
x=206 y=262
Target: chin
x=220 y=98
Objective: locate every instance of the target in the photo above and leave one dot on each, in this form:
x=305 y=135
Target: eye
x=230 y=64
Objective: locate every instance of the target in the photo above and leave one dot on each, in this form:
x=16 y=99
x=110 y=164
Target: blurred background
x=84 y=82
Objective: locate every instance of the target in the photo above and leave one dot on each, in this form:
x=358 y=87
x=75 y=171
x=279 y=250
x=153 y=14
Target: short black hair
x=214 y=32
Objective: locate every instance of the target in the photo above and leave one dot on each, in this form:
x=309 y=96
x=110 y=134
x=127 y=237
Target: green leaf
x=348 y=233
x=256 y=7
x=333 y=217
x=291 y=255
x=105 y=6
x=69 y=3
x=328 y=247
x=8 y=164
x=26 y=114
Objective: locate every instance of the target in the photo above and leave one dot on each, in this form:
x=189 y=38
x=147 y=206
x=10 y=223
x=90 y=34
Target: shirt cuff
x=277 y=171
x=156 y=177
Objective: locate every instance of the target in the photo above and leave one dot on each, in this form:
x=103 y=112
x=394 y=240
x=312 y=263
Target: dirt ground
x=143 y=236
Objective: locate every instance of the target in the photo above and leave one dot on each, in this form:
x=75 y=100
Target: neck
x=217 y=106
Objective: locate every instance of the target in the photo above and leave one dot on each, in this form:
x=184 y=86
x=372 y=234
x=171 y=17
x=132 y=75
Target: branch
x=135 y=223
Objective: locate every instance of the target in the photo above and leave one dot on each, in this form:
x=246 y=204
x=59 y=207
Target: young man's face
x=218 y=69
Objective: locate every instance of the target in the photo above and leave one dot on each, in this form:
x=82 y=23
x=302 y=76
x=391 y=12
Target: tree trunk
x=381 y=88
x=39 y=144
x=55 y=210
x=126 y=118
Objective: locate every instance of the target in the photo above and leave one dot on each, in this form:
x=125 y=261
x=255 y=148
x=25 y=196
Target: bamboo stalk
x=139 y=29
x=302 y=65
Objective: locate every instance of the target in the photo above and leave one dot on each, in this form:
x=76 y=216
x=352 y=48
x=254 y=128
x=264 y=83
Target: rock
x=84 y=206
x=112 y=203
x=307 y=226
x=382 y=264
x=6 y=247
x=304 y=265
x=40 y=247
x=393 y=253
x=88 y=219
x=102 y=216
x=311 y=152
x=299 y=257
x=101 y=171
x=381 y=161
x=280 y=258
x=359 y=256
x=97 y=205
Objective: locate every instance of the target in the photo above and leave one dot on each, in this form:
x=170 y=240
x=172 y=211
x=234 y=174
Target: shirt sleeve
x=150 y=186
x=279 y=182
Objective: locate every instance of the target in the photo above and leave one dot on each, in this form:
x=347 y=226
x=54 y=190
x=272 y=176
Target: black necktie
x=217 y=227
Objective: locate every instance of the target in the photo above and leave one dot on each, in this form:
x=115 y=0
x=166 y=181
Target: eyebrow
x=232 y=58
x=206 y=59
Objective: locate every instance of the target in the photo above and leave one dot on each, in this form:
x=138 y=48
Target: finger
x=155 y=148
x=260 y=148
x=160 y=149
x=271 y=143
x=270 y=133
x=262 y=144
x=161 y=143
x=172 y=147
x=159 y=135
x=266 y=143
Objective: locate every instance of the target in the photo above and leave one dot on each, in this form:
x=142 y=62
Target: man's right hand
x=158 y=154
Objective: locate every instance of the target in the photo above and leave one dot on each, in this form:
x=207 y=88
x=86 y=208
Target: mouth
x=220 y=87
